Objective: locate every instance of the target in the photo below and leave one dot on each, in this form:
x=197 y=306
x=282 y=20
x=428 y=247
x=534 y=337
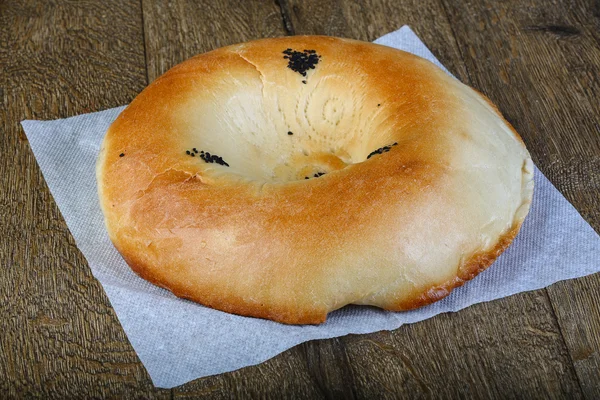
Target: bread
x=285 y=178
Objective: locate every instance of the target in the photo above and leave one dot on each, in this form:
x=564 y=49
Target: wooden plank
x=175 y=31
x=511 y=346
x=504 y=349
x=540 y=62
x=60 y=337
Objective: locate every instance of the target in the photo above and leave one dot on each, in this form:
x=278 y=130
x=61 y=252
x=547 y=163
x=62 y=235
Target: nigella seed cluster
x=301 y=61
x=318 y=174
x=212 y=158
x=207 y=157
x=381 y=150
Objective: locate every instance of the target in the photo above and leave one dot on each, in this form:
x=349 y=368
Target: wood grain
x=59 y=336
x=177 y=30
x=498 y=350
x=540 y=62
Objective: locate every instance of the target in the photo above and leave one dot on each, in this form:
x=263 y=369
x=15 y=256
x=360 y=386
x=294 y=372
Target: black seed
x=378 y=105
x=381 y=150
x=304 y=82
x=187 y=152
x=306 y=177
x=122 y=155
x=290 y=133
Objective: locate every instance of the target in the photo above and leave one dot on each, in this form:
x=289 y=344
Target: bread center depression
x=288 y=123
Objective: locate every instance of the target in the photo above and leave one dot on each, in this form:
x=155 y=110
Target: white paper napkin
x=179 y=341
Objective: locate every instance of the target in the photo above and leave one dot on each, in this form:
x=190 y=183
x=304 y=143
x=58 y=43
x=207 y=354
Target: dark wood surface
x=538 y=60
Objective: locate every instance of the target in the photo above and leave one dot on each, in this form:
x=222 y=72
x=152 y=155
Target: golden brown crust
x=230 y=305
x=473 y=267
x=424 y=184
x=470 y=269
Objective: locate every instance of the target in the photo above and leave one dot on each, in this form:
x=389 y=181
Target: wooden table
x=59 y=337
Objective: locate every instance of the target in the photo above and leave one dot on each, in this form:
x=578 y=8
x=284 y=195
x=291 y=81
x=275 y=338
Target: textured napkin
x=178 y=340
